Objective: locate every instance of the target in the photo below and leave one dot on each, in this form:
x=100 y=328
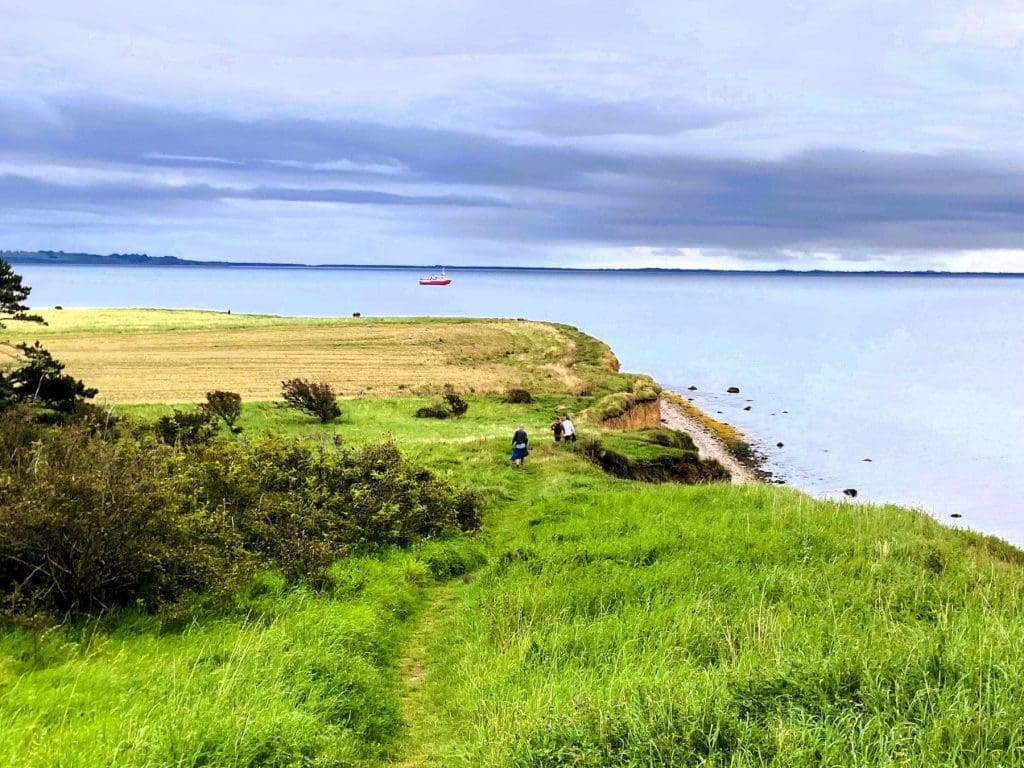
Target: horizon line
x=145 y=260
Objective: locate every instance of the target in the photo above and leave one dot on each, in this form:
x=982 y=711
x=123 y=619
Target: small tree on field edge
x=316 y=398
x=225 y=405
x=42 y=378
x=12 y=297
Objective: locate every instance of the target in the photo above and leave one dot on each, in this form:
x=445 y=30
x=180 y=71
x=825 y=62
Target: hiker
x=568 y=430
x=556 y=429
x=519 y=443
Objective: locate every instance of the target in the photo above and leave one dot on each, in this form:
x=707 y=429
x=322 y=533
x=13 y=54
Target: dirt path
x=707 y=443
x=413 y=668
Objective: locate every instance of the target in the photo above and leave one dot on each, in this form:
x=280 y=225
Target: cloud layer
x=891 y=141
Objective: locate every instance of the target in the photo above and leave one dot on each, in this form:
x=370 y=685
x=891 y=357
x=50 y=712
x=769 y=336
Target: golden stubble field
x=167 y=356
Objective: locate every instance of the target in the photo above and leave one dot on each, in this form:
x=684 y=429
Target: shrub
x=185 y=429
x=456 y=404
x=302 y=507
x=91 y=522
x=225 y=405
x=518 y=396
x=316 y=398
x=450 y=404
x=435 y=410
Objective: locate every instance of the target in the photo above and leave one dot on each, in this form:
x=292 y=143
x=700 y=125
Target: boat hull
x=446 y=281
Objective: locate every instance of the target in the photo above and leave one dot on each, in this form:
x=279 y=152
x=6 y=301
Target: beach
x=708 y=443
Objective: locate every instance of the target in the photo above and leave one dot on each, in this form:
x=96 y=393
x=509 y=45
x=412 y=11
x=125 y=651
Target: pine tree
x=12 y=297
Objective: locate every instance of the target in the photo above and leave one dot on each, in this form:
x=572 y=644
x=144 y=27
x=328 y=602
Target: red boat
x=435 y=280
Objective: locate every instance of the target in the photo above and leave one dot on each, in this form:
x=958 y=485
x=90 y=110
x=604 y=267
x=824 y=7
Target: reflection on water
x=908 y=389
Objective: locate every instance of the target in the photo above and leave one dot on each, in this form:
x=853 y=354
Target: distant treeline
x=142 y=259
x=62 y=257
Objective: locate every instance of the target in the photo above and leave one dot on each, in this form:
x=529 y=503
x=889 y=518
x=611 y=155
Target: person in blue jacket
x=520 y=441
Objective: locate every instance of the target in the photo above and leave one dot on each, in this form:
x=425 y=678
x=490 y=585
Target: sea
x=908 y=389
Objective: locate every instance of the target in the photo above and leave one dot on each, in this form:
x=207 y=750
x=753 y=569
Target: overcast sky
x=736 y=133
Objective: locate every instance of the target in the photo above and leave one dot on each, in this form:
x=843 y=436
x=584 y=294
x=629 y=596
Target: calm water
x=920 y=375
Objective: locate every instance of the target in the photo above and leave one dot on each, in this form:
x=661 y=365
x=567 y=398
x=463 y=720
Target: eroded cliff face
x=638 y=416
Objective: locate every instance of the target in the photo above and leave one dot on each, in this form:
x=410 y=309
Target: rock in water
x=779 y=445
x=733 y=390
x=851 y=492
x=692 y=388
x=747 y=408
x=956 y=514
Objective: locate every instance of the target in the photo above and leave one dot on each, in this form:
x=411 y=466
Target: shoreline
x=709 y=443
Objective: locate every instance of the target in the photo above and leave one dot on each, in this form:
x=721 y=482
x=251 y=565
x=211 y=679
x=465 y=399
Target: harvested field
x=165 y=356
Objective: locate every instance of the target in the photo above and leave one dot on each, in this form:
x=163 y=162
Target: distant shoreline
x=57 y=258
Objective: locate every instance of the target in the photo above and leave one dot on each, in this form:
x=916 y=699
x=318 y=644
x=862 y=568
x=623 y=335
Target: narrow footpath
x=413 y=667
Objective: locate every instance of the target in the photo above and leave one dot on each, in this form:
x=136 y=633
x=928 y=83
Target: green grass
x=623 y=625
x=593 y=622
x=648 y=444
x=289 y=677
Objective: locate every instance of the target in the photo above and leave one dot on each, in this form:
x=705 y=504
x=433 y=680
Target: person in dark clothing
x=520 y=441
x=556 y=429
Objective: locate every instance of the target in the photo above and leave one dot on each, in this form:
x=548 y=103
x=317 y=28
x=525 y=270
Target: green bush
x=435 y=410
x=185 y=429
x=317 y=398
x=226 y=406
x=455 y=403
x=90 y=524
x=93 y=520
x=450 y=405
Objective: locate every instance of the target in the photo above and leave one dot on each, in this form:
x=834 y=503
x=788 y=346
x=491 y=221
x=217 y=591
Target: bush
x=450 y=404
x=456 y=404
x=92 y=520
x=185 y=429
x=316 y=398
x=301 y=507
x=90 y=524
x=518 y=396
x=227 y=406
x=435 y=410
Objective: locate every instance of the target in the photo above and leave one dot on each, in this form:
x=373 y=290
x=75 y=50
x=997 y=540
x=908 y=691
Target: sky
x=752 y=134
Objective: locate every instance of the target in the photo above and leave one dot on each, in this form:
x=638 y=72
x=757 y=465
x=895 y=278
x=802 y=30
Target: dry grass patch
x=166 y=356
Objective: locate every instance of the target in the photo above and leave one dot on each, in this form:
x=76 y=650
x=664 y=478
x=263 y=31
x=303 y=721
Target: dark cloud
x=547 y=194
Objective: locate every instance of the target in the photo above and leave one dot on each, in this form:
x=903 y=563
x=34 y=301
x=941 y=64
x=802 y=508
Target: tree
x=226 y=405
x=12 y=297
x=316 y=398
x=42 y=377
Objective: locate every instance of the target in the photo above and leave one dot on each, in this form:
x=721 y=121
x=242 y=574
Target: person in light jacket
x=568 y=430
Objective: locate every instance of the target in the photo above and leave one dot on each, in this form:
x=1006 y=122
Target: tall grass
x=627 y=625
x=613 y=624
x=287 y=677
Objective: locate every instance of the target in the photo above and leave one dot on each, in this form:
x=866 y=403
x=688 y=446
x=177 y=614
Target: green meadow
x=592 y=621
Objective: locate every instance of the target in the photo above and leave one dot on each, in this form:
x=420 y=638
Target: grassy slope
x=614 y=623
